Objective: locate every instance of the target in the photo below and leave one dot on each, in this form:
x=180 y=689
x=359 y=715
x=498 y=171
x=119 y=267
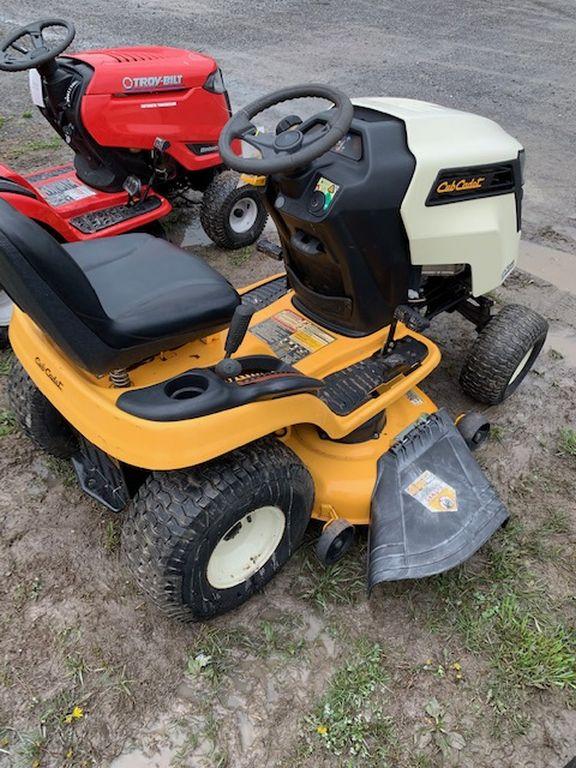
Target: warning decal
x=64 y=191
x=433 y=493
x=414 y=397
x=291 y=336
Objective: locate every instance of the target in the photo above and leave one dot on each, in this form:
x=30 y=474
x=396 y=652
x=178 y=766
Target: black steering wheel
x=289 y=149
x=27 y=48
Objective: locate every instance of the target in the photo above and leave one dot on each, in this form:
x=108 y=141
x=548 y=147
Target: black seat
x=112 y=302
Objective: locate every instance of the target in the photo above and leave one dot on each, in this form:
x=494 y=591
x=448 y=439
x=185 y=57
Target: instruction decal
x=291 y=337
x=64 y=191
x=435 y=494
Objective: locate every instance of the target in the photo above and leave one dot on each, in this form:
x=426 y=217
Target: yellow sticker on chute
x=435 y=494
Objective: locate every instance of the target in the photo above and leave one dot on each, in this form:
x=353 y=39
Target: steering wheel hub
x=288 y=140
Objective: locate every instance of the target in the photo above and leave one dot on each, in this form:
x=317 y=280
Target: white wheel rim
x=520 y=368
x=6 y=307
x=246 y=547
x=243 y=215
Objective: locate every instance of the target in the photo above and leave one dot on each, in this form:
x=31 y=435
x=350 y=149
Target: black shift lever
x=228 y=368
x=411 y=318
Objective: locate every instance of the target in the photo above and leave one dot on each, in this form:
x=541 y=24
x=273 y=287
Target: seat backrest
x=37 y=273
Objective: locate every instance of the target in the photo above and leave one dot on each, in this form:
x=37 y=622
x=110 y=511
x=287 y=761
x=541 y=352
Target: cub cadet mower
x=224 y=422
x=143 y=124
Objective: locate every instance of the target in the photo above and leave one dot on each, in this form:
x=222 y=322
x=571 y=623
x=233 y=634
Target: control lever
x=408 y=316
x=133 y=187
x=159 y=149
x=229 y=368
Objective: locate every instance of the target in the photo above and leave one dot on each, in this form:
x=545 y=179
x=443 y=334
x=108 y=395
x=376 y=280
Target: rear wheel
x=503 y=354
x=202 y=541
x=232 y=216
x=37 y=416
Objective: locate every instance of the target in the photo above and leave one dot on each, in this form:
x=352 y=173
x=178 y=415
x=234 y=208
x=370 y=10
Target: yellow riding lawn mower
x=219 y=422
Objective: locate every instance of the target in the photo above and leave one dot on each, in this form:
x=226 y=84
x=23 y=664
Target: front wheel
x=232 y=216
x=503 y=354
x=202 y=541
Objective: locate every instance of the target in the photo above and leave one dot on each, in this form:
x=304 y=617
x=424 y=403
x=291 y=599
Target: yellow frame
x=341 y=471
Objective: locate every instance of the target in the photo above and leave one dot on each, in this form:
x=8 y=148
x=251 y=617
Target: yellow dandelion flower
x=322 y=730
x=76 y=714
x=457 y=666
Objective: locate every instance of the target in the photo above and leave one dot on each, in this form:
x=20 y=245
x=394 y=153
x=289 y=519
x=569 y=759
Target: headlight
x=215 y=82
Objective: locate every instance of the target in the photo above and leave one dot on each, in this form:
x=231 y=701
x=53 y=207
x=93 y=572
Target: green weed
x=7 y=423
x=349 y=719
x=567 y=442
x=341 y=584
x=241 y=256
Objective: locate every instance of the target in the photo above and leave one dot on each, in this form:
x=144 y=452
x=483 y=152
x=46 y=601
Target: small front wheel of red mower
x=474 y=428
x=201 y=541
x=504 y=352
x=335 y=541
x=232 y=216
x=37 y=416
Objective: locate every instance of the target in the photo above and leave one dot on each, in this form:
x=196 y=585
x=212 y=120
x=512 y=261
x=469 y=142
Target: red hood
x=145 y=69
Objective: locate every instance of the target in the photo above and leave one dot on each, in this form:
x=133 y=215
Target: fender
x=41 y=212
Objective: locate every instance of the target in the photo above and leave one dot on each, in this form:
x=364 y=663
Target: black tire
x=177 y=519
x=512 y=338
x=335 y=541
x=474 y=428
x=221 y=198
x=4 y=340
x=38 y=417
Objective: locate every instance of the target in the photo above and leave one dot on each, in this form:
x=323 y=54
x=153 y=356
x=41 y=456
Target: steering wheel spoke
x=38 y=41
x=263 y=142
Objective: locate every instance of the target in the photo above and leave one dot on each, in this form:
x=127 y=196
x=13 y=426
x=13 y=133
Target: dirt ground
x=476 y=668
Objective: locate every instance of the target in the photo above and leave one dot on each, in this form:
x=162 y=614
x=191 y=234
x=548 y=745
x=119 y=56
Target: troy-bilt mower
x=143 y=123
x=223 y=422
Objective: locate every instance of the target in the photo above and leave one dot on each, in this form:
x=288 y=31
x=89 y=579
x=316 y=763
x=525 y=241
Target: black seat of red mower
x=112 y=302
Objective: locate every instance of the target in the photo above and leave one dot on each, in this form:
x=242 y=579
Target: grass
x=112 y=535
x=341 y=584
x=349 y=720
x=214 y=653
x=211 y=654
x=35 y=145
x=567 y=442
x=63 y=469
x=7 y=423
x=241 y=257
x=504 y=613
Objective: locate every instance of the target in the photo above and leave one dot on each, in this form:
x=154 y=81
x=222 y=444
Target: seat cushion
x=151 y=290
x=111 y=302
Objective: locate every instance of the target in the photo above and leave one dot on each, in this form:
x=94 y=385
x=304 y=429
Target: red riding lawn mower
x=143 y=123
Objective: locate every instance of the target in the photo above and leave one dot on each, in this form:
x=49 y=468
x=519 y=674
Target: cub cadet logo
x=52 y=376
x=460 y=185
x=155 y=83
